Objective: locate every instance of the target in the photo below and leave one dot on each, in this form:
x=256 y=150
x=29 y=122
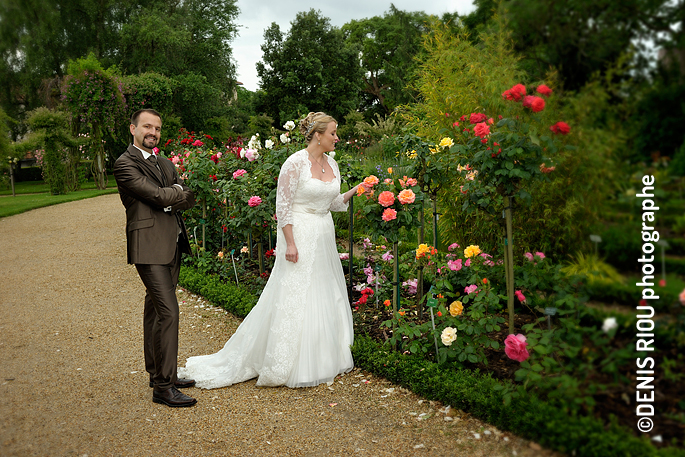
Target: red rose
x=544 y=90
x=536 y=104
x=481 y=130
x=560 y=127
x=477 y=117
x=515 y=93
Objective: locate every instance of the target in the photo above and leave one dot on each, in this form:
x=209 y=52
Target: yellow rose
x=422 y=250
x=471 y=251
x=446 y=143
x=456 y=308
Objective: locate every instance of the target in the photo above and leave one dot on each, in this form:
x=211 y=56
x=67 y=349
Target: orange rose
x=406 y=196
x=370 y=181
x=386 y=198
x=360 y=190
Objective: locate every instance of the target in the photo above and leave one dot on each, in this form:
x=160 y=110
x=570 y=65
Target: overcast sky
x=256 y=16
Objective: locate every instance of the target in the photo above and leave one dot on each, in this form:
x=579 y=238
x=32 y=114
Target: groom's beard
x=150 y=142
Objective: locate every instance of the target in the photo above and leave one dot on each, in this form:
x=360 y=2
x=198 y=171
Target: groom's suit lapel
x=148 y=167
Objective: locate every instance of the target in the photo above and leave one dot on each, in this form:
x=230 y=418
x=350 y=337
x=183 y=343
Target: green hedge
x=527 y=417
x=235 y=299
x=630 y=295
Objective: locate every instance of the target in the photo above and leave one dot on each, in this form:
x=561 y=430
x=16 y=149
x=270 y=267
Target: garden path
x=73 y=383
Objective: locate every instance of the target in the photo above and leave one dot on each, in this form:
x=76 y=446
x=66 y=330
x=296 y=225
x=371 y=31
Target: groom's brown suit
x=155 y=241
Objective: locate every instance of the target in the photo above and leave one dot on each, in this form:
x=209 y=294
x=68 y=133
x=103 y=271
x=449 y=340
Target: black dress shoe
x=172 y=397
x=180 y=383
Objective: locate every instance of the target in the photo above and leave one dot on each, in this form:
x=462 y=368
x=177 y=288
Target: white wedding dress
x=300 y=331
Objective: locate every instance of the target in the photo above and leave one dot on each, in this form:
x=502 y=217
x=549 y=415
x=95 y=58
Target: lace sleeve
x=337 y=204
x=288 y=179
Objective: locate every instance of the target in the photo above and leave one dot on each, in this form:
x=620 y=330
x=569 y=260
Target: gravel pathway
x=73 y=383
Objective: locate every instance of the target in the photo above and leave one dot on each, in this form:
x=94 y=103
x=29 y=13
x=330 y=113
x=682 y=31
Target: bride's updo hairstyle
x=314 y=122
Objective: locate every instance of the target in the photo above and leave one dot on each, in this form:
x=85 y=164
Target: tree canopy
x=389 y=49
x=310 y=68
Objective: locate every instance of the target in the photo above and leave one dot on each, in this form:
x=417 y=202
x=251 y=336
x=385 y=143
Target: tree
x=311 y=68
x=95 y=99
x=389 y=46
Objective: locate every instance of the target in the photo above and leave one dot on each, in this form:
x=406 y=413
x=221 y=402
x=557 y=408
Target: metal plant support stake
x=204 y=220
x=432 y=302
x=351 y=241
x=234 y=268
x=509 y=261
x=419 y=288
x=396 y=277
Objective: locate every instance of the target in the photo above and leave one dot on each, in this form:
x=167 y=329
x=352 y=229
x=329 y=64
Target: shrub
x=235 y=299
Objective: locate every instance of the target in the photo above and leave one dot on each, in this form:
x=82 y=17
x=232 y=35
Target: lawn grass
x=22 y=203
x=39 y=187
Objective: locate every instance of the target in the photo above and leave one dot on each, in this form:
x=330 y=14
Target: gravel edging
x=73 y=382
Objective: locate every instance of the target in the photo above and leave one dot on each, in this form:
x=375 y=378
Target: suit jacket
x=151 y=232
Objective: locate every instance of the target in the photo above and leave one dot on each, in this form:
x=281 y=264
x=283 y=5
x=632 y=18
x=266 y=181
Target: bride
x=300 y=331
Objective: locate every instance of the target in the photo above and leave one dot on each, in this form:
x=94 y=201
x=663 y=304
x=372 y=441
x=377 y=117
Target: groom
x=154 y=195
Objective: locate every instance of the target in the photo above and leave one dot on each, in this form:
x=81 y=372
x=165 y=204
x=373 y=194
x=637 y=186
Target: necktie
x=153 y=159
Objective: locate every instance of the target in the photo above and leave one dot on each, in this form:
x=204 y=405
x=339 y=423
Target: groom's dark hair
x=136 y=115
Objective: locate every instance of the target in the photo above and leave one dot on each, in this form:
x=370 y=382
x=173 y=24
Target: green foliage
x=482 y=397
x=236 y=299
x=96 y=103
x=149 y=90
x=457 y=77
x=196 y=100
x=50 y=130
x=309 y=69
x=593 y=269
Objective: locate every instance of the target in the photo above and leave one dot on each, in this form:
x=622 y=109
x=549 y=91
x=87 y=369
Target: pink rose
x=387 y=256
x=540 y=254
x=515 y=347
x=467 y=263
x=254 y=201
x=470 y=289
x=251 y=155
x=528 y=256
x=452 y=247
x=520 y=296
x=386 y=198
x=175 y=160
x=454 y=265
x=344 y=255
x=238 y=173
x=219 y=154
x=389 y=214
x=682 y=297
x=198 y=143
x=155 y=151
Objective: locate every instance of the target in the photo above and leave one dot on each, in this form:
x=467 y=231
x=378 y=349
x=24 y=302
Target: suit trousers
x=160 y=320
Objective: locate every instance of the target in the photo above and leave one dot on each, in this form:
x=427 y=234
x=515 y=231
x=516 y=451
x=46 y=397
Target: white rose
x=448 y=336
x=289 y=125
x=331 y=154
x=609 y=324
x=285 y=139
x=268 y=144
